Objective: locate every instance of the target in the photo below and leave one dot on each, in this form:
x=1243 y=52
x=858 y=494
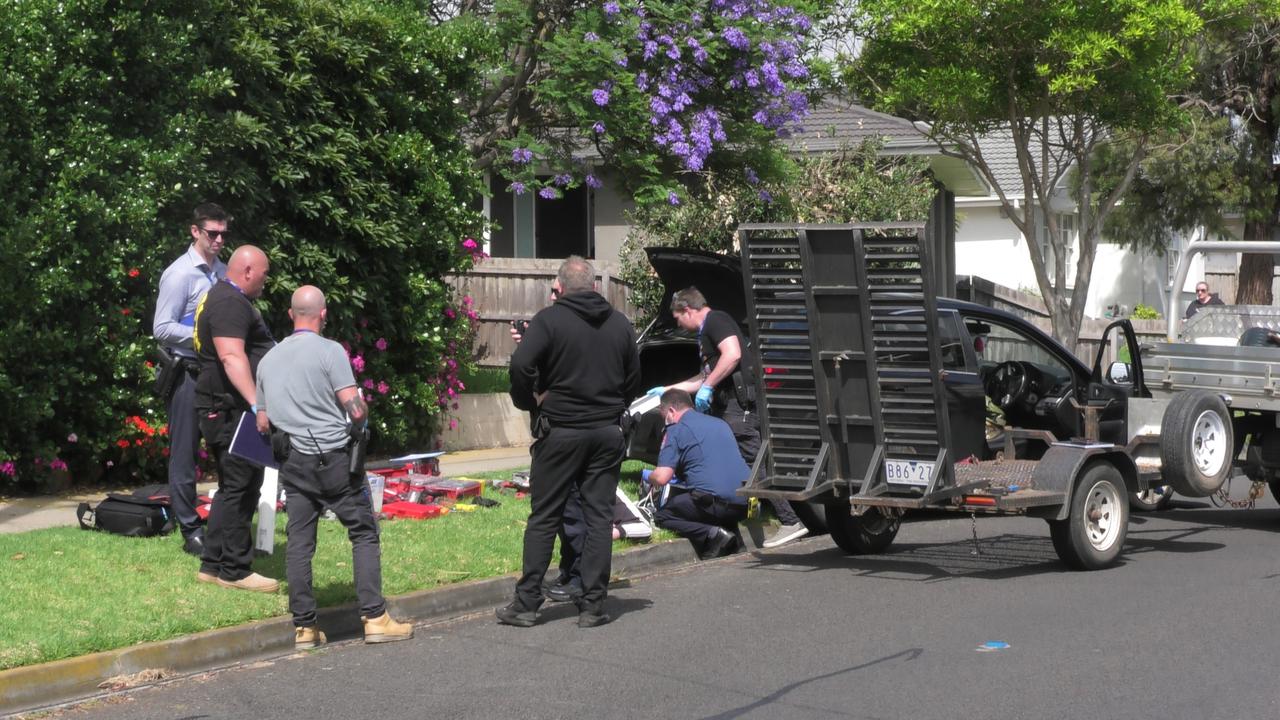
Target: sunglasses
x=1201 y=290
x=216 y=234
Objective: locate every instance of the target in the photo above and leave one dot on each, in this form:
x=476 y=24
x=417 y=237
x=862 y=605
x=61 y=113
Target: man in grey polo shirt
x=182 y=285
x=306 y=389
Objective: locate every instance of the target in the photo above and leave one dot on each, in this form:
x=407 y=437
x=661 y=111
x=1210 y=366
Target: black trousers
x=696 y=515
x=309 y=488
x=184 y=443
x=573 y=535
x=746 y=430
x=589 y=460
x=228 y=536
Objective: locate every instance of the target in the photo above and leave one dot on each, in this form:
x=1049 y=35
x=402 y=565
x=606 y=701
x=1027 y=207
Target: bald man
x=307 y=390
x=230 y=340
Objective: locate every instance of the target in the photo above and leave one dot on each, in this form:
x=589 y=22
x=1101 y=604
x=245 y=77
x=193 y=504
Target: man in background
x=182 y=286
x=1203 y=299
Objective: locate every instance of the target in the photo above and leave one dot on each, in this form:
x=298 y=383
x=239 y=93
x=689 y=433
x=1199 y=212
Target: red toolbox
x=411 y=510
x=453 y=488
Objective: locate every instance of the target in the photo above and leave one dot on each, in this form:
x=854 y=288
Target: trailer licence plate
x=908 y=472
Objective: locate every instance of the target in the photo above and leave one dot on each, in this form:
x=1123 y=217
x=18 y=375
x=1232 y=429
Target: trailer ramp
x=845 y=332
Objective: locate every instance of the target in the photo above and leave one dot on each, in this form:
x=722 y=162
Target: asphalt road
x=1181 y=628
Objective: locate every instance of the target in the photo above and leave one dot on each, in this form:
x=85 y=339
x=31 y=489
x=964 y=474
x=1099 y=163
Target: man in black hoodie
x=577 y=369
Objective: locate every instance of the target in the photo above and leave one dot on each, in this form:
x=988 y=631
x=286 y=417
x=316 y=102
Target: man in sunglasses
x=1203 y=298
x=182 y=286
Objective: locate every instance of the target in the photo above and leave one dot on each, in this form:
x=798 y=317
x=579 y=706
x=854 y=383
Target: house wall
x=610 y=221
x=991 y=247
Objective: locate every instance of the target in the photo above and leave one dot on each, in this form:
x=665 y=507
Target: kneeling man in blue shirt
x=702 y=452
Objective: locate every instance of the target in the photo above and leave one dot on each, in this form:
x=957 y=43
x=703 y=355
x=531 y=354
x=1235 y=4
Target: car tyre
x=868 y=534
x=1092 y=535
x=1196 y=443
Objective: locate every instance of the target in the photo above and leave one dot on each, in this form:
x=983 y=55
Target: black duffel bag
x=135 y=515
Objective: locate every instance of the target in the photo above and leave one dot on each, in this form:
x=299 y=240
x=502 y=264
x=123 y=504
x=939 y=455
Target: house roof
x=834 y=124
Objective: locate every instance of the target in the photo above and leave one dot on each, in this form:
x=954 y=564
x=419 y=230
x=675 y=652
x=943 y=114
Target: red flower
x=125 y=311
x=122 y=443
x=133 y=272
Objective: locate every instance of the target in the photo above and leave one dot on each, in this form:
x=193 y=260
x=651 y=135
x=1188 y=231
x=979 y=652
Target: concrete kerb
x=32 y=688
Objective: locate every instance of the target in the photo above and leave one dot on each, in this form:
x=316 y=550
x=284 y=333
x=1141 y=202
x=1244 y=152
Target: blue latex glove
x=702 y=401
x=657 y=390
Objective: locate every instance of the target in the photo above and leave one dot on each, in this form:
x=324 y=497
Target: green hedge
x=329 y=129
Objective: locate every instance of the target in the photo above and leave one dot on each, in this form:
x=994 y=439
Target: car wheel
x=868 y=534
x=1153 y=499
x=1092 y=535
x=813 y=515
x=1196 y=443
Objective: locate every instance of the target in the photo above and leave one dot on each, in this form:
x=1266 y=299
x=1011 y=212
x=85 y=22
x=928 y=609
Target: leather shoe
x=516 y=614
x=590 y=619
x=193 y=544
x=721 y=543
x=564 y=592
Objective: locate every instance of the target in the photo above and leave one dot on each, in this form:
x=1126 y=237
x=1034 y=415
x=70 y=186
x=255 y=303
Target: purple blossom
x=593 y=182
x=598 y=128
x=590 y=37
x=610 y=8
x=8 y=468
x=547 y=193
x=381 y=344
x=517 y=188
x=521 y=156
x=562 y=179
x=766 y=197
x=600 y=96
x=673 y=198
x=751 y=175
x=736 y=38
x=621 y=61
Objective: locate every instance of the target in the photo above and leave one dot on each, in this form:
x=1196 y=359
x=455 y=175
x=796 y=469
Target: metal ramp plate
x=844 y=329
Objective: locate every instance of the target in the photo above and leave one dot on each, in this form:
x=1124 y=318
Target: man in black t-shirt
x=230 y=339
x=723 y=388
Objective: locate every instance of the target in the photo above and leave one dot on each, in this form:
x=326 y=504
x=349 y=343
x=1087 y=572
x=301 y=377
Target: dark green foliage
x=328 y=129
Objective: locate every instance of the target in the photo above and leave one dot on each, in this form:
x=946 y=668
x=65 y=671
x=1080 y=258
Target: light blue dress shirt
x=183 y=283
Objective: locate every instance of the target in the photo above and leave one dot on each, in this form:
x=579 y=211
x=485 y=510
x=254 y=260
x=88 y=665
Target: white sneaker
x=786 y=534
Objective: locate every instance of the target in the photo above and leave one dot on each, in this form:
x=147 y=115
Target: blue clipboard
x=252 y=445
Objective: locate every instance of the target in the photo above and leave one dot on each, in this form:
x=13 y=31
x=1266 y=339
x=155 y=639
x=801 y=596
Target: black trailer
x=874 y=402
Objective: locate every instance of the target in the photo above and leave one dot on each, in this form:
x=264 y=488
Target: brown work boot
x=204 y=577
x=253 y=582
x=306 y=638
x=383 y=629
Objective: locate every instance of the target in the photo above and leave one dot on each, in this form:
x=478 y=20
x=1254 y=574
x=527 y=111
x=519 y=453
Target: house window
x=1067 y=237
x=530 y=226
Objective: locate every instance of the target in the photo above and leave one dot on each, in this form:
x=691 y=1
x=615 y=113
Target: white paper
x=266 y=538
x=644 y=404
x=416 y=457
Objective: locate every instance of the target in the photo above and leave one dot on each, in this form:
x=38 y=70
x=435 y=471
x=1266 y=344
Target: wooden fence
x=506 y=289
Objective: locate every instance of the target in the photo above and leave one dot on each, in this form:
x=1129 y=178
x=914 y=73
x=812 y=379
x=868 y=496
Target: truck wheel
x=1154 y=498
x=813 y=515
x=1196 y=443
x=1093 y=534
x=868 y=534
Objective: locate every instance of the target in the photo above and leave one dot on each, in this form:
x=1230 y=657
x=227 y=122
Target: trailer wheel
x=871 y=533
x=1153 y=499
x=813 y=515
x=1092 y=535
x=1196 y=443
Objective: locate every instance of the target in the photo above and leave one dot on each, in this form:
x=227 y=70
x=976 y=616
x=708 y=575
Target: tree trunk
x=1256 y=270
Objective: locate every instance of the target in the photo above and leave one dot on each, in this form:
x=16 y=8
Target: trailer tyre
x=868 y=534
x=1092 y=535
x=1196 y=443
x=813 y=515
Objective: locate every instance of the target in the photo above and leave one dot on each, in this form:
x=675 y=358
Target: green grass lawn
x=69 y=592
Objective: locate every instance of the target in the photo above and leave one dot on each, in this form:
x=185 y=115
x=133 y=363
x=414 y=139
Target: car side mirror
x=1118 y=373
